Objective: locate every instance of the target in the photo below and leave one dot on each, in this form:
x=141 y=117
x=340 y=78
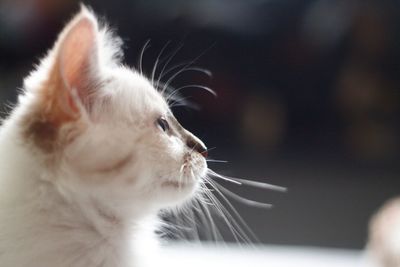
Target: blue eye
x=163 y=124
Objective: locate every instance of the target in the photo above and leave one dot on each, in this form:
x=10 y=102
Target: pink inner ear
x=77 y=58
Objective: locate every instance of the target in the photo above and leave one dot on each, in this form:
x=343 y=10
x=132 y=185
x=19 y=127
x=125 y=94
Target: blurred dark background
x=308 y=96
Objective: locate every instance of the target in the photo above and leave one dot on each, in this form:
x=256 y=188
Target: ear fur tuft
x=74 y=69
x=69 y=82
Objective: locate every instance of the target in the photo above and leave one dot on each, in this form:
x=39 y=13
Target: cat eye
x=163 y=124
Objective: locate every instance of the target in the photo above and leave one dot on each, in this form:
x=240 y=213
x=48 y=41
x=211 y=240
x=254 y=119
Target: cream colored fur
x=93 y=201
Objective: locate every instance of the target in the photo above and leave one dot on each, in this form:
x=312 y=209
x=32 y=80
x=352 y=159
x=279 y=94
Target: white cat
x=88 y=157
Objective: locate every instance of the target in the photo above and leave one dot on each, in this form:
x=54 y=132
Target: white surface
x=263 y=256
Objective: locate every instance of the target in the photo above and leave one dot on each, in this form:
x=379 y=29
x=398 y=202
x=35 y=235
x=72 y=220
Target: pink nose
x=197 y=146
x=204 y=153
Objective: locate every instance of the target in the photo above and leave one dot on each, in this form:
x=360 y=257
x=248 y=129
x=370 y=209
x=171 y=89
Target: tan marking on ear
x=56 y=102
x=43 y=134
x=42 y=125
x=69 y=84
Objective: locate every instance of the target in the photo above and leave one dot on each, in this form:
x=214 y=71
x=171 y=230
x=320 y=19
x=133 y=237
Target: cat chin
x=173 y=193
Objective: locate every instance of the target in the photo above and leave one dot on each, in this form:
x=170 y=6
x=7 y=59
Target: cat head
x=102 y=128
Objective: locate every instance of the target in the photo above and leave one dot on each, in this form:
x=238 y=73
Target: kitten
x=88 y=156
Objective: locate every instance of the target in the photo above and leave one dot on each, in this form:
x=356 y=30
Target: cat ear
x=77 y=58
x=73 y=75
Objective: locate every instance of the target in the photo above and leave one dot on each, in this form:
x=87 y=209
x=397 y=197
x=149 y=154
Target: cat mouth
x=189 y=176
x=177 y=184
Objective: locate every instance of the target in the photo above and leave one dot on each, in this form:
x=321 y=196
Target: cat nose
x=196 y=145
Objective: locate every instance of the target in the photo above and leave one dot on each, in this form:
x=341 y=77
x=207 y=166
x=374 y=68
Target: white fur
x=81 y=212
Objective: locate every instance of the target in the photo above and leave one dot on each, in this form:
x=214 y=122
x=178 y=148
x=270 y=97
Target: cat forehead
x=132 y=89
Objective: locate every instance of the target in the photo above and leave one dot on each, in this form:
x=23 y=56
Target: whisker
x=216 y=160
x=214 y=174
x=211 y=148
x=192 y=86
x=211 y=91
x=153 y=73
x=176 y=101
x=256 y=184
x=182 y=101
x=186 y=69
x=225 y=212
x=243 y=200
x=186 y=104
x=200 y=197
x=193 y=148
x=261 y=185
x=183 y=64
x=208 y=220
x=181 y=175
x=172 y=55
x=145 y=46
x=190 y=63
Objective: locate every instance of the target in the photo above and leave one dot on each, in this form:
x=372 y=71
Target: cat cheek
x=118 y=165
